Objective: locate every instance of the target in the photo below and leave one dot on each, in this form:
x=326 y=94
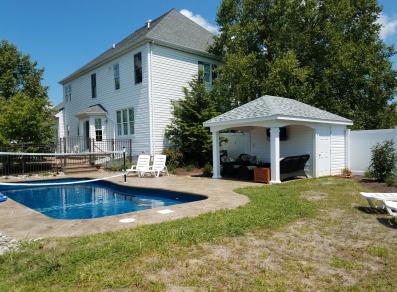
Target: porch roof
x=268 y=108
x=95 y=109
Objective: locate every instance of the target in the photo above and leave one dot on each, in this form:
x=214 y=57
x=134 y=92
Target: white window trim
x=120 y=124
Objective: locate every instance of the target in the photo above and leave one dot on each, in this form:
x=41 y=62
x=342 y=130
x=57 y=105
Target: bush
x=186 y=132
x=346 y=171
x=383 y=160
x=368 y=174
x=189 y=167
x=390 y=181
x=174 y=158
x=207 y=170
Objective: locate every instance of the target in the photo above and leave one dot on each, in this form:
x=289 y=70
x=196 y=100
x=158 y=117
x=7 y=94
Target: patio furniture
x=142 y=165
x=293 y=166
x=262 y=175
x=391 y=207
x=243 y=167
x=240 y=167
x=158 y=166
x=372 y=197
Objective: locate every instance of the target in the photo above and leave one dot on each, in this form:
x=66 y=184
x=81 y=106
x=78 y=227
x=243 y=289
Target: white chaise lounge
x=391 y=207
x=158 y=165
x=142 y=165
x=372 y=197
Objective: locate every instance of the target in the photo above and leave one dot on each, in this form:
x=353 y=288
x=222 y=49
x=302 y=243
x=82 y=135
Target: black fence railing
x=67 y=155
x=81 y=144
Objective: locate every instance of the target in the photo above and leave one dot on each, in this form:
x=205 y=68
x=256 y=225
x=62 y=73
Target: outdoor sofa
x=243 y=167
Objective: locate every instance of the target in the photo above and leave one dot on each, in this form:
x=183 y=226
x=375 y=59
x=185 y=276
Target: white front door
x=323 y=151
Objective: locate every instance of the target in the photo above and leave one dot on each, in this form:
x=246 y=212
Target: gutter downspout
x=150 y=100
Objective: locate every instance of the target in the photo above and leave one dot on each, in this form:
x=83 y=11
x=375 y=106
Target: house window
x=138 y=68
x=68 y=92
x=131 y=120
x=93 y=85
x=119 y=125
x=214 y=73
x=125 y=122
x=204 y=72
x=116 y=72
x=98 y=129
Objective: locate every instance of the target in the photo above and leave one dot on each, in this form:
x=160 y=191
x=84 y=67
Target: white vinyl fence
x=360 y=144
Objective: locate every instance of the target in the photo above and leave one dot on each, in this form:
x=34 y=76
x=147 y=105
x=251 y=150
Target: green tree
x=25 y=111
x=323 y=52
x=186 y=132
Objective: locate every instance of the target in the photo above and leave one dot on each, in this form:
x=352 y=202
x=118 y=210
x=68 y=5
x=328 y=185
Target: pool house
x=280 y=133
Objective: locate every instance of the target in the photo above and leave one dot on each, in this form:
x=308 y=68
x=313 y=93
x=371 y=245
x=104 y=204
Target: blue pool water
x=92 y=200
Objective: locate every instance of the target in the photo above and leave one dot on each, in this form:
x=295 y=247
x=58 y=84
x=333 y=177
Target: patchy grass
x=302 y=235
x=348 y=265
x=112 y=260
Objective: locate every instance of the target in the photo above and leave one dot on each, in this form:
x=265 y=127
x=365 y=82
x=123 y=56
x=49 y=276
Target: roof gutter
x=245 y=122
x=118 y=53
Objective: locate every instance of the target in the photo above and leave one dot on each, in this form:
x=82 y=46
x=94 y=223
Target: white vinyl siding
x=171 y=70
x=130 y=95
x=337 y=149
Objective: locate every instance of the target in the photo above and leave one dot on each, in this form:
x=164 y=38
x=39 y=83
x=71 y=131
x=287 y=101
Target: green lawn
x=125 y=259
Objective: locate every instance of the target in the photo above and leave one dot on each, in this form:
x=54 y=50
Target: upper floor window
x=125 y=122
x=116 y=71
x=204 y=72
x=68 y=92
x=93 y=85
x=138 y=68
x=215 y=73
x=98 y=129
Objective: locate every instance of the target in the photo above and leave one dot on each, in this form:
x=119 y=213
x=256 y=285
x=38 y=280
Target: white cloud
x=197 y=18
x=389 y=26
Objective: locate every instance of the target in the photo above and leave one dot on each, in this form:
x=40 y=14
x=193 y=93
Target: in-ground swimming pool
x=93 y=199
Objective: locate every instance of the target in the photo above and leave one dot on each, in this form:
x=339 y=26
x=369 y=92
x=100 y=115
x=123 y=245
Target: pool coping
x=21 y=222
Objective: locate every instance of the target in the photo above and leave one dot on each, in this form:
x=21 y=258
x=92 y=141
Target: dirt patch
x=313 y=195
x=375 y=185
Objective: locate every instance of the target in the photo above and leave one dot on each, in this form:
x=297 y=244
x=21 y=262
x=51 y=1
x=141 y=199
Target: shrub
x=207 y=171
x=189 y=167
x=174 y=158
x=346 y=171
x=383 y=160
x=390 y=181
x=186 y=132
x=368 y=174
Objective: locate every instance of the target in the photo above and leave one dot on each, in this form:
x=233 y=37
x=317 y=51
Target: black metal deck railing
x=67 y=154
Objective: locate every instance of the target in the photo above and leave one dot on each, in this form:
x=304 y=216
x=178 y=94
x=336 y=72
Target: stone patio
x=20 y=222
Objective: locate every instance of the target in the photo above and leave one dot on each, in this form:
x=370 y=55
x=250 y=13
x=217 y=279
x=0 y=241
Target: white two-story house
x=127 y=91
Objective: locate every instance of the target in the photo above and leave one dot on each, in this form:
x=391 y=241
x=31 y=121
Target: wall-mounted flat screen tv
x=283 y=134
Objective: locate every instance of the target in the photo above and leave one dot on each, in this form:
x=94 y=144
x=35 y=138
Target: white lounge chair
x=158 y=165
x=371 y=197
x=142 y=165
x=391 y=207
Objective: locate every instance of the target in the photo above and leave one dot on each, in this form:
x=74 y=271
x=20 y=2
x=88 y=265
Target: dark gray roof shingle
x=94 y=109
x=274 y=106
x=171 y=28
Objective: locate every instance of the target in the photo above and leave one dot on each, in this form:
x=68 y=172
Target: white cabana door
x=323 y=151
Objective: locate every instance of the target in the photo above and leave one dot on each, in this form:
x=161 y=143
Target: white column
x=216 y=160
x=275 y=155
x=315 y=153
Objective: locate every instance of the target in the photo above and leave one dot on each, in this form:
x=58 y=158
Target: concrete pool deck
x=21 y=222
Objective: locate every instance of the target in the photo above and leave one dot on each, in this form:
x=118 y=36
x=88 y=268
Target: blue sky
x=64 y=35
